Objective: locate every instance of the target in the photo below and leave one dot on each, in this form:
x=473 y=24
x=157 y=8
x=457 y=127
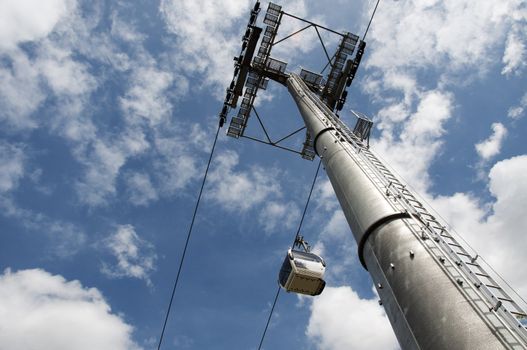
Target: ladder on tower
x=500 y=309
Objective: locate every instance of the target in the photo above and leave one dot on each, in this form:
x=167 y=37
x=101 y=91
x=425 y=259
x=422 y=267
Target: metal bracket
x=300 y=242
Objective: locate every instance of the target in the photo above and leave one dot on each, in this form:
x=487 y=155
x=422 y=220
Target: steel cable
x=187 y=240
x=371 y=19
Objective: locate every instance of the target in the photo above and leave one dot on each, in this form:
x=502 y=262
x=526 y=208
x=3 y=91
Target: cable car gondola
x=302 y=272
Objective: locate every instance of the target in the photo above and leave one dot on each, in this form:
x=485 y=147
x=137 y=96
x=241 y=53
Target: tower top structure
x=254 y=67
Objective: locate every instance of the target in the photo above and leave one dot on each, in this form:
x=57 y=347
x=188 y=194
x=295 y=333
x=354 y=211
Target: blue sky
x=108 y=112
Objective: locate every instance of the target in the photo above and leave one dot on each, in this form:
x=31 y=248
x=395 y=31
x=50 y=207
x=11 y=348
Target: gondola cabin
x=302 y=273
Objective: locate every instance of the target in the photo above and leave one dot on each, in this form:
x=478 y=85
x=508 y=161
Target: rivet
x=379 y=286
x=380 y=302
x=442 y=259
x=392 y=266
x=459 y=281
x=412 y=254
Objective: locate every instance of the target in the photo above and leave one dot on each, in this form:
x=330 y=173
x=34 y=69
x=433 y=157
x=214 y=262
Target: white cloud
x=26 y=79
x=11 y=166
x=57 y=72
x=336 y=245
x=147 y=96
x=43 y=311
x=20 y=91
x=504 y=234
x=49 y=70
x=103 y=161
x=324 y=195
x=176 y=166
x=337 y=226
x=340 y=320
x=490 y=147
x=244 y=189
x=515 y=53
x=135 y=256
x=28 y=20
x=64 y=75
x=450 y=38
x=461 y=33
x=412 y=150
x=495 y=228
x=125 y=30
x=204 y=39
x=279 y=216
x=140 y=189
x=516 y=112
x=411 y=123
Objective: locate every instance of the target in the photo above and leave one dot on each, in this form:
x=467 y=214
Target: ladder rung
x=467 y=255
x=481 y=274
x=518 y=313
x=506 y=299
x=492 y=286
x=430 y=217
x=413 y=201
x=470 y=263
x=454 y=244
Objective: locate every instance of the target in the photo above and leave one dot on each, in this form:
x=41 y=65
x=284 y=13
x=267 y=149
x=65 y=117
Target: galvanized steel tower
x=436 y=294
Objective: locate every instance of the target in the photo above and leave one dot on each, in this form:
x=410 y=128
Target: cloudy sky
x=108 y=111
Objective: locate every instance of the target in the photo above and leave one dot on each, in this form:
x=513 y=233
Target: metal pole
x=426 y=308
